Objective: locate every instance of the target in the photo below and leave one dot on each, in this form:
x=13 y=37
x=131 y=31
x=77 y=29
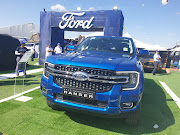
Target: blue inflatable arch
x=53 y=24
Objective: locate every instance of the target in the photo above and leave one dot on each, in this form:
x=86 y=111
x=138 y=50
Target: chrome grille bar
x=93 y=78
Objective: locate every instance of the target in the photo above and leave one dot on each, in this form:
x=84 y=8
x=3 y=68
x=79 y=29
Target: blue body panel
x=100 y=60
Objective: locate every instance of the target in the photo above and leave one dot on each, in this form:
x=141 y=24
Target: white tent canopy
x=176 y=49
x=146 y=46
x=95 y=34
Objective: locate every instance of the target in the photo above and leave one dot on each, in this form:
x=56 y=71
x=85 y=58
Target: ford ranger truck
x=102 y=75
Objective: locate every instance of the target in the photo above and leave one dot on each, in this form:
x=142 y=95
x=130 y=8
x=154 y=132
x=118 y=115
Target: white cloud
x=58 y=7
x=177 y=13
x=91 y=8
x=171 y=34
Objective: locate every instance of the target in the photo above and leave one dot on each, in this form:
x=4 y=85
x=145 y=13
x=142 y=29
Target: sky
x=145 y=20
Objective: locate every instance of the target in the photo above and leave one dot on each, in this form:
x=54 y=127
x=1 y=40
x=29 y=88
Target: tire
x=50 y=104
x=134 y=118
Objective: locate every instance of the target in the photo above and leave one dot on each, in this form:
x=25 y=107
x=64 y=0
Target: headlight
x=46 y=70
x=49 y=65
x=133 y=79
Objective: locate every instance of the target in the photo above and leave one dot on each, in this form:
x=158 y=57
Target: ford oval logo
x=81 y=76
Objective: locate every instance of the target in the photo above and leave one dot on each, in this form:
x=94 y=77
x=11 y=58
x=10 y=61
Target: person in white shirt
x=49 y=51
x=32 y=50
x=157 y=59
x=58 y=49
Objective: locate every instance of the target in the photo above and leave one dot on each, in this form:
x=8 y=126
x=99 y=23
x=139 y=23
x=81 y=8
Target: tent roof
x=34 y=38
x=176 y=49
x=95 y=34
x=146 y=46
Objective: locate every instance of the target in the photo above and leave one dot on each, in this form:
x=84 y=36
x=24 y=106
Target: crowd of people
x=49 y=50
x=21 y=50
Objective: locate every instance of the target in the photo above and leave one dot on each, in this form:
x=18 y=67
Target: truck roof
x=110 y=37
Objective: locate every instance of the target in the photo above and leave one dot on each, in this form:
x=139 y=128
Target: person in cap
x=49 y=51
x=19 y=52
x=58 y=49
x=157 y=59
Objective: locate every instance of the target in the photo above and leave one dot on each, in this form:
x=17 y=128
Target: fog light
x=58 y=96
x=44 y=90
x=128 y=105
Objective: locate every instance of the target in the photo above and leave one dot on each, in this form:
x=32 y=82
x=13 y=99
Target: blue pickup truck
x=102 y=75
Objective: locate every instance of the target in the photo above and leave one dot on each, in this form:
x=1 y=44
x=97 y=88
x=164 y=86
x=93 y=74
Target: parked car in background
x=30 y=46
x=148 y=63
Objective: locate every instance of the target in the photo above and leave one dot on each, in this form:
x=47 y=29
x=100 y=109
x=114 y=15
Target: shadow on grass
x=19 y=81
x=7 y=86
x=154 y=111
x=162 y=74
x=158 y=72
x=31 y=67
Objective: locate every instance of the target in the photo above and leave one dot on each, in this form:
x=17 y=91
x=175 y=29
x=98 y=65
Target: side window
x=130 y=47
x=125 y=48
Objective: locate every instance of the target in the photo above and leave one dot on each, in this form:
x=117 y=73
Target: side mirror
x=70 y=47
x=143 y=53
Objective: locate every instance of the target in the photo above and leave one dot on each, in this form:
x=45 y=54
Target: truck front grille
x=97 y=80
x=91 y=71
x=83 y=85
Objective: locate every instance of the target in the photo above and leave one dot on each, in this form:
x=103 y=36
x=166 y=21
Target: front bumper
x=114 y=98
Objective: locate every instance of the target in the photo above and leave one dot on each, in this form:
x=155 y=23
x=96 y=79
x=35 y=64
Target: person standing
x=32 y=50
x=58 y=49
x=157 y=59
x=169 y=59
x=49 y=51
x=19 y=52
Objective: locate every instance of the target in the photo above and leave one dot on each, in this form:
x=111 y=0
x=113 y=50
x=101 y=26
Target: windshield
x=101 y=44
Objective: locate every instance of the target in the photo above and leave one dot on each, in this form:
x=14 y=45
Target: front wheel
x=134 y=118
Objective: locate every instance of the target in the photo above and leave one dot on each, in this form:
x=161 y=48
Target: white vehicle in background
x=32 y=46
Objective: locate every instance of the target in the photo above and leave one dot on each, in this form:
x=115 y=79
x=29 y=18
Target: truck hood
x=103 y=60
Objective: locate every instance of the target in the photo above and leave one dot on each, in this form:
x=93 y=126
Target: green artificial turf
x=36 y=118
x=7 y=86
x=30 y=67
x=172 y=80
x=31 y=64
